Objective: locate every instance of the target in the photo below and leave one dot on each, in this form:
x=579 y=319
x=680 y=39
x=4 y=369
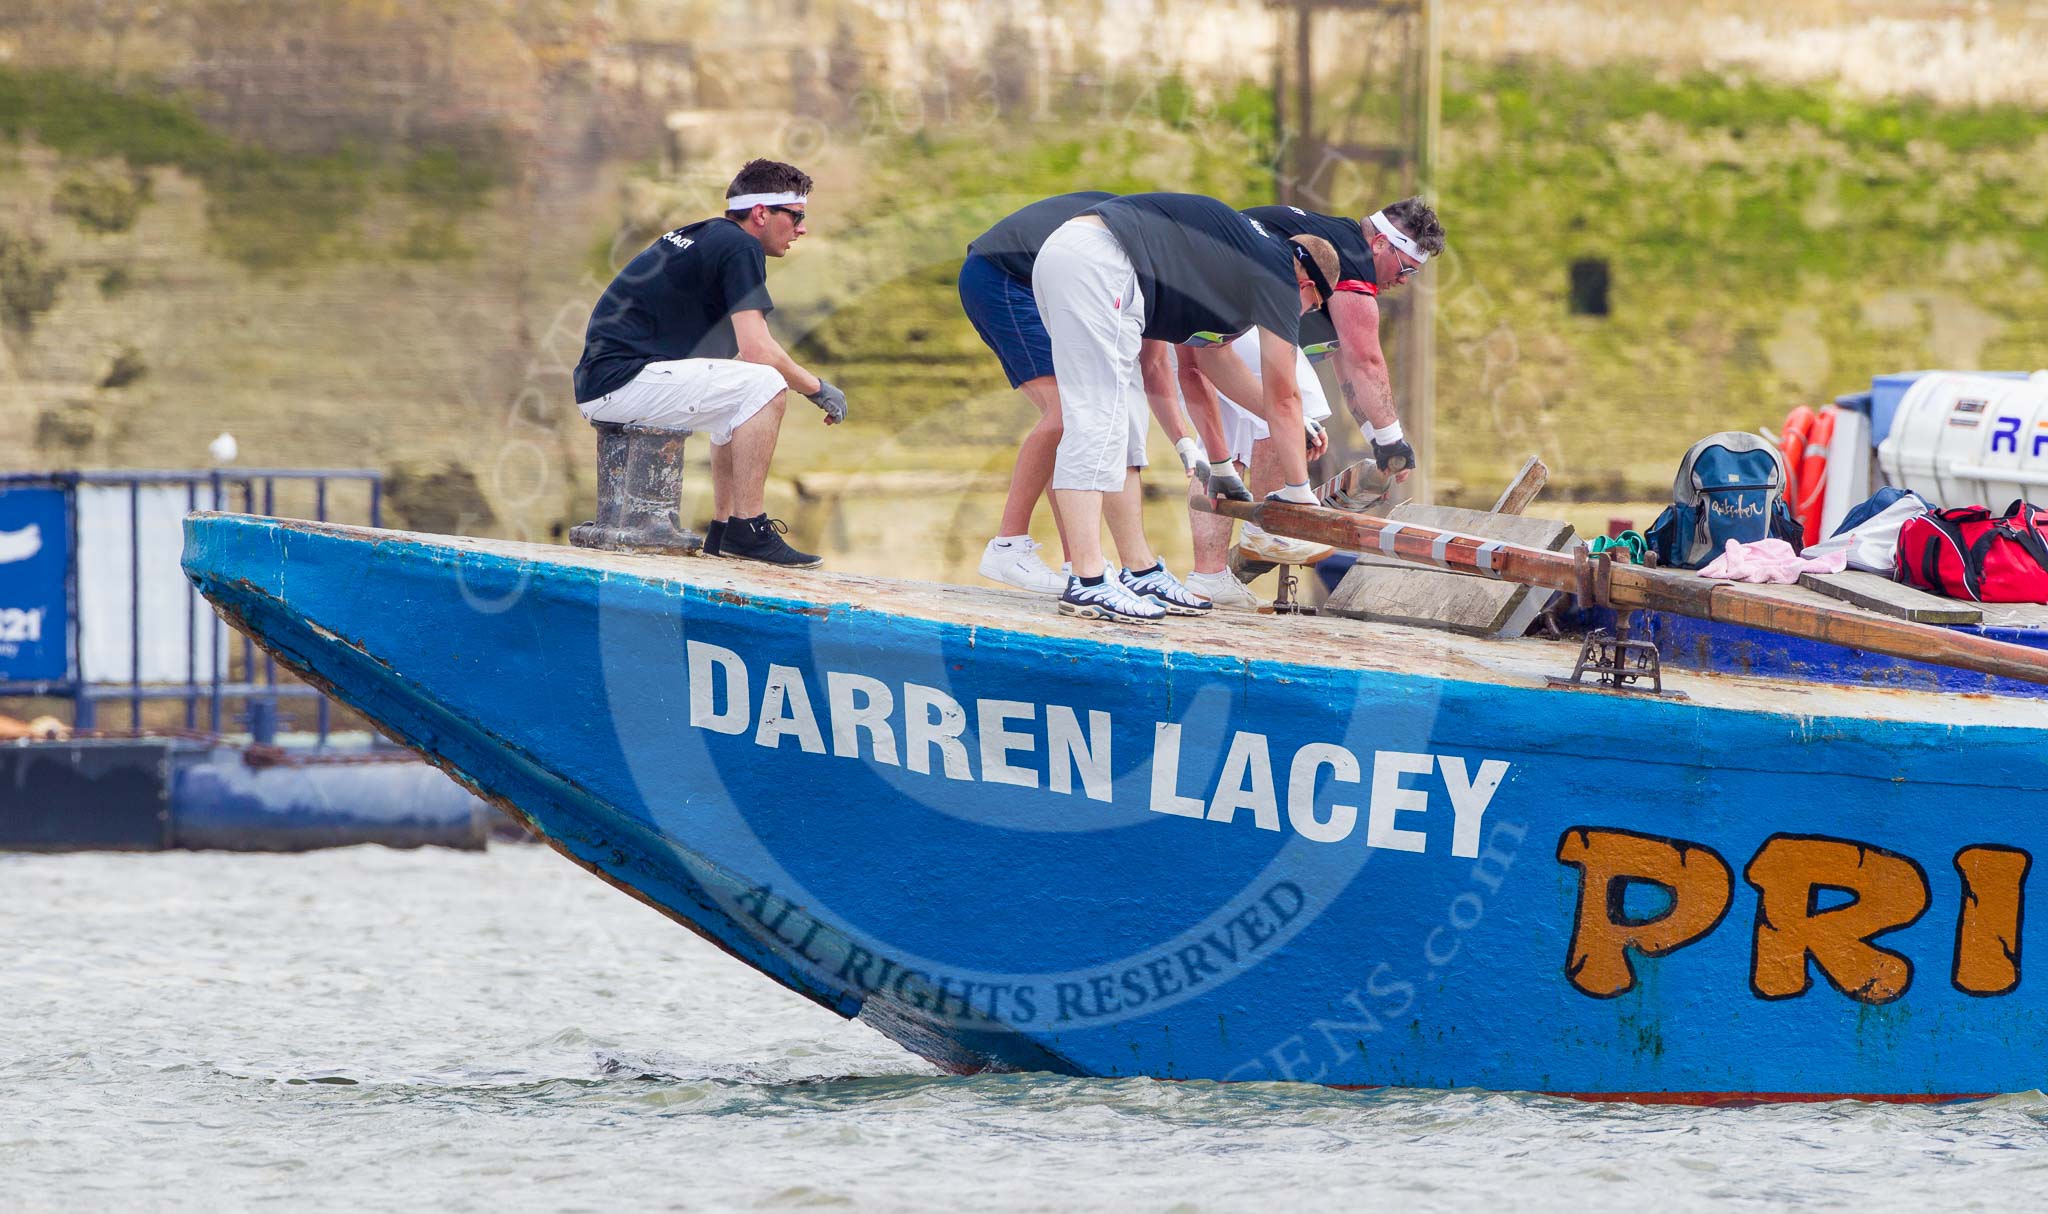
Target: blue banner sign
x=35 y=551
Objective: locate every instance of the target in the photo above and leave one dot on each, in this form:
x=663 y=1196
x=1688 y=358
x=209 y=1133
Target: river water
x=500 y=1031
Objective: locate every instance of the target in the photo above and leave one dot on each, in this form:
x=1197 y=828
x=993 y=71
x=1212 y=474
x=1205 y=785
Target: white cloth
x=1875 y=541
x=712 y=396
x=1771 y=561
x=130 y=577
x=1088 y=296
x=1241 y=426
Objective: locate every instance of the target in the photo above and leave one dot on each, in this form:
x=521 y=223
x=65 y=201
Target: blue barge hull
x=157 y=793
x=1237 y=849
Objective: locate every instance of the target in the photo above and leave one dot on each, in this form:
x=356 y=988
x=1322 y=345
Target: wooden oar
x=1631 y=586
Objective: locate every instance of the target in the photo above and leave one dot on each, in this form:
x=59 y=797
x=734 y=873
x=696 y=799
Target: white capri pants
x=1241 y=426
x=713 y=396
x=1088 y=296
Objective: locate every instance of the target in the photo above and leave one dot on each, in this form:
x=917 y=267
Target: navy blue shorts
x=1005 y=314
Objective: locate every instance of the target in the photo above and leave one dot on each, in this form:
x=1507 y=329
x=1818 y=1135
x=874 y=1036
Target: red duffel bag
x=1970 y=553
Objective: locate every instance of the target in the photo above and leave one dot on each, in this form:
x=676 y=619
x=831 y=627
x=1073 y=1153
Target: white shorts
x=1242 y=427
x=712 y=396
x=1088 y=296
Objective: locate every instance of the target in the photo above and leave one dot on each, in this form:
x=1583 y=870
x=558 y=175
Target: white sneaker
x=1225 y=591
x=1111 y=600
x=1166 y=590
x=1256 y=542
x=1016 y=563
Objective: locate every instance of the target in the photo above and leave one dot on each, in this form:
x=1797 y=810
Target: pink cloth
x=1770 y=561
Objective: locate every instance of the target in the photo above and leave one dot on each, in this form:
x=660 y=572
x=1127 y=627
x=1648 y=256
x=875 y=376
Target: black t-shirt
x=1347 y=236
x=1354 y=263
x=1203 y=267
x=674 y=300
x=1013 y=243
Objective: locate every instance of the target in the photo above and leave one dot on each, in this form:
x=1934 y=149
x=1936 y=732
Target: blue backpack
x=1730 y=486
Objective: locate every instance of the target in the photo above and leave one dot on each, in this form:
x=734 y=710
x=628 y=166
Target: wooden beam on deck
x=1601 y=581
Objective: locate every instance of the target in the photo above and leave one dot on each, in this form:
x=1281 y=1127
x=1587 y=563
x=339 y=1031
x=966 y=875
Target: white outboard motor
x=1969 y=440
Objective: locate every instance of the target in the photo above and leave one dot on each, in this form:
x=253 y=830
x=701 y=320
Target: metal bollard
x=639 y=489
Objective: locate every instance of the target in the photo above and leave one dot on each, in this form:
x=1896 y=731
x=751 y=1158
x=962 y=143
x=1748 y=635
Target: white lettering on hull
x=1032 y=746
x=1166 y=797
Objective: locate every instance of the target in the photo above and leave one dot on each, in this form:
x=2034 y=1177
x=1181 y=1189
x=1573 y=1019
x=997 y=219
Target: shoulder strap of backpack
x=2022 y=523
x=1973 y=561
x=1949 y=534
x=1930 y=565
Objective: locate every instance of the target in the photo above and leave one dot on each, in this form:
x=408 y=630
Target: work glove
x=1190 y=453
x=831 y=400
x=1318 y=438
x=1223 y=483
x=1393 y=458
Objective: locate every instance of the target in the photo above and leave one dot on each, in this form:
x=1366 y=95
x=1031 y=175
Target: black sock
x=1156 y=567
x=1093 y=581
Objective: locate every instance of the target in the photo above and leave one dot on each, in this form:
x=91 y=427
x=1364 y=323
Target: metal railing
x=252 y=491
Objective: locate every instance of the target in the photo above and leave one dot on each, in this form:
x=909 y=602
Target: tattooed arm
x=1361 y=366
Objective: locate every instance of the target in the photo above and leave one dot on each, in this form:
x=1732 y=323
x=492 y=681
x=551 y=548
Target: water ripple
x=500 y=1031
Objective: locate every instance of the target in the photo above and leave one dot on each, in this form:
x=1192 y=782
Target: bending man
x=1160 y=267
x=1245 y=436
x=995 y=291
x=1375 y=255
x=1378 y=254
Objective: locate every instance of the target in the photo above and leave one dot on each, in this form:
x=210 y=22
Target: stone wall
x=381 y=235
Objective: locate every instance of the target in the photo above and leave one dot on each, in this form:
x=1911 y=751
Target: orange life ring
x=1792 y=446
x=1813 y=473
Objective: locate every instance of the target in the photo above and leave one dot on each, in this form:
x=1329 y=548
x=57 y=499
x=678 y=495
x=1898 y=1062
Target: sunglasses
x=1404 y=271
x=792 y=212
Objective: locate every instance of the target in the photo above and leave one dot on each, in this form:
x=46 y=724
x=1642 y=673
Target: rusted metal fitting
x=639 y=490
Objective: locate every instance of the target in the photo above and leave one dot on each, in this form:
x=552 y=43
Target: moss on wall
x=1768 y=246
x=267 y=210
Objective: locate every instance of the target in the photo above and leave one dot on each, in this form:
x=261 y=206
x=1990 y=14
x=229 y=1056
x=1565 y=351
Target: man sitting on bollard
x=680 y=342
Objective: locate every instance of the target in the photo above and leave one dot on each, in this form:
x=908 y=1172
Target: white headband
x=747 y=202
x=1399 y=239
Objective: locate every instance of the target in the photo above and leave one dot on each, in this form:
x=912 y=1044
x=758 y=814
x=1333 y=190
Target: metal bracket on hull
x=1618 y=663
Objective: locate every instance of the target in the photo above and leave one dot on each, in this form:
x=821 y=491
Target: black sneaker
x=760 y=539
x=714 y=535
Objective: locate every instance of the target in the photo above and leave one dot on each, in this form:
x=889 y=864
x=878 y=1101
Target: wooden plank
x=1635 y=586
x=1523 y=489
x=1875 y=592
x=1389 y=591
x=2014 y=615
